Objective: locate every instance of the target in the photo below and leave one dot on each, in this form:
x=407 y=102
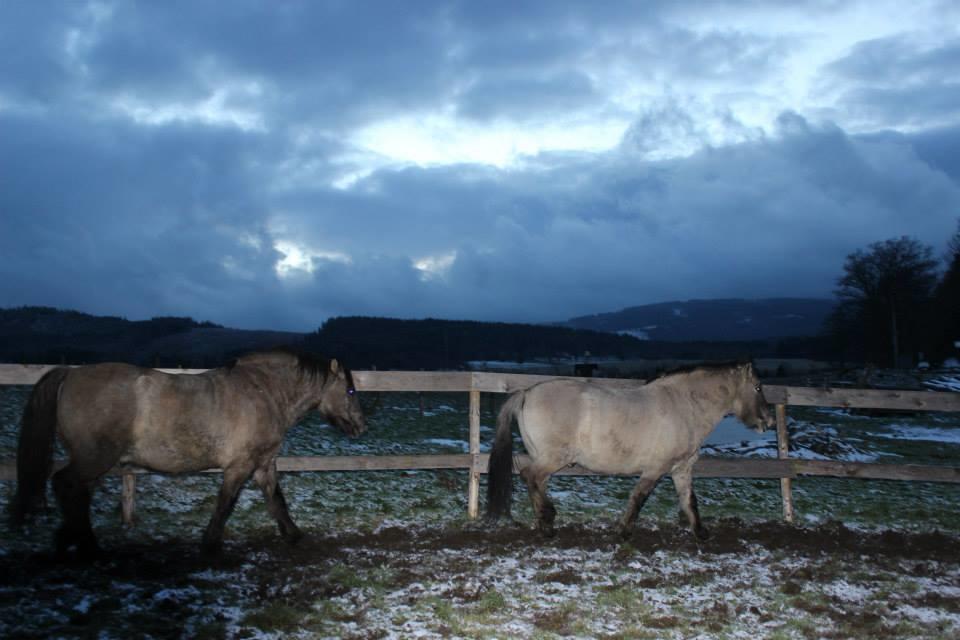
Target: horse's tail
x=35 y=446
x=500 y=469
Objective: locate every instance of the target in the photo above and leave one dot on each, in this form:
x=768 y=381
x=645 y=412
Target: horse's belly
x=618 y=446
x=613 y=461
x=167 y=459
x=173 y=448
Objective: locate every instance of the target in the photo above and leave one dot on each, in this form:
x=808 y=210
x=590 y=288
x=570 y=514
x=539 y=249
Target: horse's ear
x=334 y=366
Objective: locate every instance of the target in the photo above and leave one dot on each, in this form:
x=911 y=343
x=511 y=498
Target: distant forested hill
x=389 y=343
x=51 y=336
x=712 y=320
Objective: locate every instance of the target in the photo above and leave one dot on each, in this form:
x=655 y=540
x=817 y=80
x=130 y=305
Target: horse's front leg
x=683 y=482
x=234 y=477
x=266 y=477
x=641 y=491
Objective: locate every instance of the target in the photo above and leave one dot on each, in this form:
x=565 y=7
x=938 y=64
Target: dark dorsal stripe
x=703 y=366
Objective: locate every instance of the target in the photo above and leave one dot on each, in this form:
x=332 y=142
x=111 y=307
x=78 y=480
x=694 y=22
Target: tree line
x=897 y=304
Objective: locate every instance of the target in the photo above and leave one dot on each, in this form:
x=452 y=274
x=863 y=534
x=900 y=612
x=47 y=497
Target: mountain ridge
x=732 y=319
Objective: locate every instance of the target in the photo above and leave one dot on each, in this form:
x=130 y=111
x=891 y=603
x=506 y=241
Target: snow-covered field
x=391 y=554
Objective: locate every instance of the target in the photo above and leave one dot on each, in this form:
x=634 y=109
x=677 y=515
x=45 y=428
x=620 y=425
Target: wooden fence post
x=783 y=452
x=473 y=489
x=128 y=498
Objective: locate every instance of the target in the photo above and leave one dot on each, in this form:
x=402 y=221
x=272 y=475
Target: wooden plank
x=783 y=452
x=441 y=381
x=873 y=399
x=873 y=471
x=463 y=381
x=128 y=499
x=374 y=463
x=473 y=484
x=29 y=374
x=23 y=373
x=775 y=393
x=709 y=467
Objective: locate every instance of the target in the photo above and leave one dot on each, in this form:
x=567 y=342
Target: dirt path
x=826 y=581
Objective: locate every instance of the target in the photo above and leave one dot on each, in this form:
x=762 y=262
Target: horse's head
x=339 y=403
x=749 y=405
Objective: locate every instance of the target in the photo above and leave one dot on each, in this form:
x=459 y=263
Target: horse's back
x=603 y=429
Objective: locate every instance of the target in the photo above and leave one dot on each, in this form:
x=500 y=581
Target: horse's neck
x=712 y=392
x=302 y=394
x=294 y=395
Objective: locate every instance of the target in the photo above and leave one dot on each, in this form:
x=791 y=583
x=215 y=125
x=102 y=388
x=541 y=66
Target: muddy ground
x=757 y=579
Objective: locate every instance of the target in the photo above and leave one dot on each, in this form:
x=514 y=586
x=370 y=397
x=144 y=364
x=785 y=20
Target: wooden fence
x=476 y=383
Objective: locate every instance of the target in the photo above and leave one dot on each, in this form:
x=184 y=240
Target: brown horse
x=234 y=418
x=651 y=430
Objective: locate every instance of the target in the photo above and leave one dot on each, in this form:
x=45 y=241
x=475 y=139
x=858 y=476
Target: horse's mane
x=703 y=366
x=310 y=364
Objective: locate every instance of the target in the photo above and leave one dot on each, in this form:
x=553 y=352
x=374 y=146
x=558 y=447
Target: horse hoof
x=293 y=537
x=702 y=534
x=89 y=554
x=625 y=533
x=211 y=548
x=494 y=522
x=547 y=532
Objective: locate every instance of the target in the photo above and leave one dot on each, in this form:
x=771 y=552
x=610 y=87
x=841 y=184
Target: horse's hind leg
x=537 y=477
x=266 y=478
x=74 y=493
x=683 y=482
x=641 y=491
x=234 y=477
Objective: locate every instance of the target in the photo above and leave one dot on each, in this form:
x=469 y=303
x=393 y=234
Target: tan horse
x=651 y=430
x=234 y=418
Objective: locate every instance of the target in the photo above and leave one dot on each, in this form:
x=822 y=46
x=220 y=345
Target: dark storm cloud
x=899 y=80
x=189 y=158
x=119 y=216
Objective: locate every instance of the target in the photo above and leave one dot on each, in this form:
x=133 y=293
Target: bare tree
x=884 y=291
x=947 y=301
x=953 y=246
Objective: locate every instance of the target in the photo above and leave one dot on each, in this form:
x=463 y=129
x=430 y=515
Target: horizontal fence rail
x=474 y=383
x=708 y=467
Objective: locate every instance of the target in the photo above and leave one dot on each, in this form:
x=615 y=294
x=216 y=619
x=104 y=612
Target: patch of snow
x=808 y=441
x=639 y=334
x=926 y=615
x=84 y=605
x=944 y=383
x=447 y=442
x=929 y=434
x=841 y=413
x=843 y=590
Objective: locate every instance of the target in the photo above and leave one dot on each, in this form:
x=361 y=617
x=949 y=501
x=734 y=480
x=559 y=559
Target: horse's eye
x=758 y=388
x=350 y=392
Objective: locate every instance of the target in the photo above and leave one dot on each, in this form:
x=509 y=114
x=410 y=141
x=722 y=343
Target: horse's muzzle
x=351 y=428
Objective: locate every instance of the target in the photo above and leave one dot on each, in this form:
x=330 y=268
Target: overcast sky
x=273 y=164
